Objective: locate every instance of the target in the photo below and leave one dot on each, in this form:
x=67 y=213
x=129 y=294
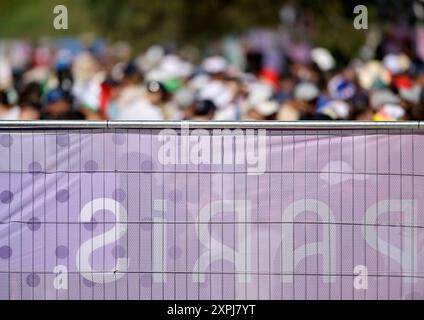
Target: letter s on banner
x=111 y=236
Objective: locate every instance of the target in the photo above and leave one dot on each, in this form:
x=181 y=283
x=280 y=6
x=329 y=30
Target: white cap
x=371 y=72
x=397 y=63
x=174 y=67
x=184 y=98
x=391 y=112
x=156 y=75
x=198 y=82
x=323 y=58
x=217 y=92
x=267 y=108
x=306 y=91
x=259 y=92
x=214 y=65
x=337 y=109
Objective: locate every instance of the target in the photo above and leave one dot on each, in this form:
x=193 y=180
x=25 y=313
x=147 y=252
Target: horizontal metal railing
x=338 y=125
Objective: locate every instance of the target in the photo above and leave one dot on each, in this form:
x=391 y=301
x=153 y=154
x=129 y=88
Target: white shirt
x=12 y=114
x=141 y=110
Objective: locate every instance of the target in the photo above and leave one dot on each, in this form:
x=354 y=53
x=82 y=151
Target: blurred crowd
x=259 y=76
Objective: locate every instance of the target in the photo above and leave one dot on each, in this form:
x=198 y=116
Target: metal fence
x=211 y=210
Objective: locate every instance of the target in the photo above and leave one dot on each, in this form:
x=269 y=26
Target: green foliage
x=195 y=22
x=144 y=22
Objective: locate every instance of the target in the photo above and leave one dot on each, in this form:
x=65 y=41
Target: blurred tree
x=186 y=21
x=34 y=19
x=144 y=22
x=138 y=21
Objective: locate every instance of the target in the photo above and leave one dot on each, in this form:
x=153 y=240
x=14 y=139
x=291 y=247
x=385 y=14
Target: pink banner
x=211 y=214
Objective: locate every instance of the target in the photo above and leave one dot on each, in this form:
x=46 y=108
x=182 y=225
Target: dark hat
x=130 y=69
x=54 y=96
x=204 y=107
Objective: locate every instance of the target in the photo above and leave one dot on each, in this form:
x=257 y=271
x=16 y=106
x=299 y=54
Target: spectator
x=58 y=107
x=8 y=110
x=204 y=110
x=147 y=106
x=271 y=78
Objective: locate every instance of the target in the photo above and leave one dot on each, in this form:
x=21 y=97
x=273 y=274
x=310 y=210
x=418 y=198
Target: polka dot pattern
x=146 y=165
x=5 y=252
x=119 y=195
x=33 y=280
x=62 y=196
x=6 y=140
x=91 y=166
x=62 y=140
x=62 y=252
x=90 y=226
x=35 y=168
x=118 y=252
x=34 y=224
x=6 y=197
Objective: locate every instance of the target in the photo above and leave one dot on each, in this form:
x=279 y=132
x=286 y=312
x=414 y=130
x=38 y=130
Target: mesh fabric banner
x=211 y=214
